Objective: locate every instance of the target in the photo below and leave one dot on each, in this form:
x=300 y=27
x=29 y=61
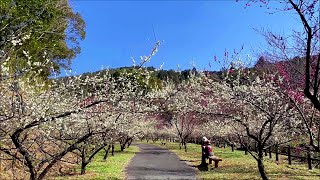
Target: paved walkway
x=153 y=162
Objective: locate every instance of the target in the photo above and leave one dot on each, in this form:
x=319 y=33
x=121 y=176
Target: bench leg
x=210 y=161
x=216 y=164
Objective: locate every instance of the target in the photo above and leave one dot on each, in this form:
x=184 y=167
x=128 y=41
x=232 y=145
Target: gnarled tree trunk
x=106 y=152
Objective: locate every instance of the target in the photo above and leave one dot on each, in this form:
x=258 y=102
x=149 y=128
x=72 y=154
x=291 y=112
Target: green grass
x=113 y=168
x=237 y=165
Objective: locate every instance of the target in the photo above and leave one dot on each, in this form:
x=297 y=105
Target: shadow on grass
x=295 y=175
x=240 y=169
x=233 y=169
x=123 y=152
x=201 y=167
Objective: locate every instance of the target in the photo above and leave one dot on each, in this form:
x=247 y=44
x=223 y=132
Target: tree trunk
x=83 y=167
x=0 y=160
x=261 y=166
x=83 y=161
x=319 y=129
x=270 y=153
x=129 y=142
x=33 y=176
x=106 y=153
x=277 y=153
x=61 y=155
x=28 y=161
x=185 y=147
x=122 y=147
x=112 y=150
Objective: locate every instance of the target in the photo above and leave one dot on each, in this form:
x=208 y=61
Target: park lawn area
x=112 y=168
x=237 y=165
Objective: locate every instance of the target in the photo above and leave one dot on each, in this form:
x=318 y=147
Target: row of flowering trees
x=69 y=120
x=45 y=124
x=40 y=127
x=250 y=106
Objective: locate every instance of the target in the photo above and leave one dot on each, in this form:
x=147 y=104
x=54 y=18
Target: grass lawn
x=113 y=168
x=237 y=165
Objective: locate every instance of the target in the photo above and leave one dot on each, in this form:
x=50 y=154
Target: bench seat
x=215 y=159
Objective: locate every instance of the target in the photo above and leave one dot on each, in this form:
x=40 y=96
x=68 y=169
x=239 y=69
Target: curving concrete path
x=153 y=162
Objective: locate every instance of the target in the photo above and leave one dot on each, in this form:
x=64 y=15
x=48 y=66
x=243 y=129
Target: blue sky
x=191 y=32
